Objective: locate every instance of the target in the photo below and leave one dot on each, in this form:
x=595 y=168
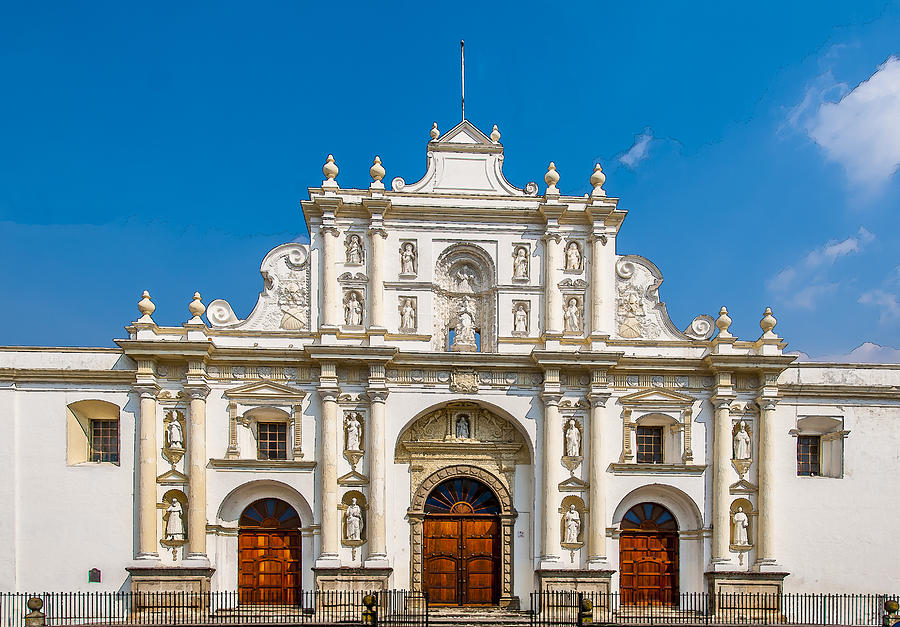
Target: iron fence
x=551 y=609
x=310 y=607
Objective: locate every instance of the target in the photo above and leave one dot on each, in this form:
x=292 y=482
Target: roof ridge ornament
x=146 y=307
x=551 y=178
x=598 y=178
x=330 y=170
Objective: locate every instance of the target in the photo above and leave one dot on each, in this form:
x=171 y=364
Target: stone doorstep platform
x=477 y=616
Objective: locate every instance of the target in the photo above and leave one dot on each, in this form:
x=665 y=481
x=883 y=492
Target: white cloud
x=639 y=149
x=889 y=304
x=809 y=296
x=865 y=353
x=861 y=131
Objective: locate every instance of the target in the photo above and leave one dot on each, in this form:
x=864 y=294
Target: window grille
x=272 y=442
x=808 y=447
x=649 y=445
x=105 y=441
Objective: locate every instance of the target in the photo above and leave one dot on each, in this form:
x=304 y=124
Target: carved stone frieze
x=464 y=381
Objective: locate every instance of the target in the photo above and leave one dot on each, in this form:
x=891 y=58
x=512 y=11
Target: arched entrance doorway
x=648 y=555
x=461 y=553
x=269 y=553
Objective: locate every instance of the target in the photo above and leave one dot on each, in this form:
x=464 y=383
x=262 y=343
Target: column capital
x=598 y=237
x=330 y=230
x=377 y=395
x=329 y=394
x=377 y=230
x=722 y=400
x=598 y=399
x=552 y=235
x=147 y=390
x=197 y=391
x=766 y=403
x=551 y=398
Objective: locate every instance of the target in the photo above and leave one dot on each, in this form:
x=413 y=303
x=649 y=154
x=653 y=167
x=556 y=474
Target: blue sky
x=165 y=146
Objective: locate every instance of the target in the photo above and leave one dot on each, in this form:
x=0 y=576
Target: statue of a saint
x=408 y=315
x=175 y=523
x=462 y=427
x=175 y=434
x=740 y=522
x=408 y=259
x=465 y=280
x=354 y=249
x=742 y=442
x=520 y=263
x=573 y=257
x=354 y=521
x=354 y=430
x=465 y=330
x=353 y=311
x=520 y=320
x=572 y=522
x=572 y=317
x=573 y=439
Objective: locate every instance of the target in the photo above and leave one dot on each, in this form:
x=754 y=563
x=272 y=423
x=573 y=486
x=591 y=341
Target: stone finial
x=551 y=178
x=768 y=323
x=598 y=178
x=196 y=307
x=146 y=307
x=435 y=133
x=495 y=134
x=330 y=170
x=723 y=322
x=377 y=170
x=35 y=618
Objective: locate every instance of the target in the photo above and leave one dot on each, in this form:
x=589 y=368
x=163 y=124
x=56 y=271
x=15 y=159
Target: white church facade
x=459 y=387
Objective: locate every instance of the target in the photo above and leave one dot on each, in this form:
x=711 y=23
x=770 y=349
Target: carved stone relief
x=354 y=308
x=409 y=258
x=521 y=317
x=573 y=314
x=520 y=262
x=355 y=249
x=573 y=257
x=463 y=302
x=408 y=314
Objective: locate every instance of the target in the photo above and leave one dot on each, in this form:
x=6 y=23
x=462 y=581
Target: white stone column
x=146 y=469
x=197 y=460
x=329 y=488
x=553 y=299
x=550 y=462
x=331 y=297
x=376 y=278
x=721 y=475
x=597 y=478
x=600 y=277
x=765 y=541
x=377 y=471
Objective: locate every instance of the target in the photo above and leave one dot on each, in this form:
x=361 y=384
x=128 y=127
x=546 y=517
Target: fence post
x=370 y=614
x=891 y=613
x=35 y=618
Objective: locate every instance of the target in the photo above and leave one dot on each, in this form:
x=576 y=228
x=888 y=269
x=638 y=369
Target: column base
x=328 y=560
x=599 y=563
x=739 y=597
x=377 y=561
x=144 y=558
x=347 y=579
x=170 y=579
x=767 y=565
x=722 y=565
x=549 y=562
x=195 y=560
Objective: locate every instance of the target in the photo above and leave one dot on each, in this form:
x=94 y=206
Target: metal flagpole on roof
x=462 y=54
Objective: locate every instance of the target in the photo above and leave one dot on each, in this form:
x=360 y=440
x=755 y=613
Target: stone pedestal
x=353 y=579
x=741 y=596
x=160 y=580
x=591 y=582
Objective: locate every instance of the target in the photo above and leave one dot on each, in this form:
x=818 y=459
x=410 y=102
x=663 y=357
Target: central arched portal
x=648 y=555
x=269 y=553
x=461 y=557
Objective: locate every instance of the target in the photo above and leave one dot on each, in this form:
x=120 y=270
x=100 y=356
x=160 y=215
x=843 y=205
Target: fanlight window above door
x=462 y=496
x=269 y=514
x=649 y=517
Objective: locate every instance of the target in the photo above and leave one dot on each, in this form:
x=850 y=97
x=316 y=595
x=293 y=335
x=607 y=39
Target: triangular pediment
x=742 y=487
x=264 y=391
x=171 y=477
x=353 y=478
x=465 y=133
x=656 y=396
x=573 y=484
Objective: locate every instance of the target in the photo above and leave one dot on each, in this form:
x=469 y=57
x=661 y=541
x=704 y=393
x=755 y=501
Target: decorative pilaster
x=233 y=452
x=197 y=459
x=721 y=468
x=599 y=274
x=331 y=297
x=597 y=479
x=330 y=518
x=550 y=459
x=553 y=299
x=627 y=426
x=297 y=426
x=377 y=471
x=687 y=419
x=146 y=470
x=765 y=541
x=377 y=237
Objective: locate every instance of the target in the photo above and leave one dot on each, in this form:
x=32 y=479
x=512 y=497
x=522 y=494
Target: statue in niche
x=573 y=257
x=175 y=523
x=520 y=319
x=572 y=318
x=520 y=263
x=354 y=249
x=408 y=259
x=465 y=329
x=354 y=431
x=408 y=315
x=354 y=521
x=740 y=522
x=742 y=442
x=175 y=435
x=462 y=427
x=573 y=439
x=465 y=280
x=631 y=307
x=353 y=311
x=572 y=523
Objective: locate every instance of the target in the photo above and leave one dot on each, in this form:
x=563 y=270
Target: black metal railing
x=317 y=607
x=549 y=609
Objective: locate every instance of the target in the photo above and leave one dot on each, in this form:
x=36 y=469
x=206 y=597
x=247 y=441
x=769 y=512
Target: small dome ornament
x=495 y=135
x=330 y=170
x=598 y=178
x=723 y=322
x=552 y=178
x=146 y=307
x=768 y=323
x=377 y=170
x=196 y=307
x=435 y=133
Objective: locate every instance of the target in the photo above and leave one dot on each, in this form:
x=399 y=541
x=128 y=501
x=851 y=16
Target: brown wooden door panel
x=648 y=566
x=269 y=566
x=461 y=560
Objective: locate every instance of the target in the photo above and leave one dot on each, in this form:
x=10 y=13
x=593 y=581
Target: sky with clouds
x=166 y=147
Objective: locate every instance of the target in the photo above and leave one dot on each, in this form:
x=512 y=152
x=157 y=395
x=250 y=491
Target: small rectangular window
x=272 y=443
x=105 y=441
x=808 y=447
x=649 y=445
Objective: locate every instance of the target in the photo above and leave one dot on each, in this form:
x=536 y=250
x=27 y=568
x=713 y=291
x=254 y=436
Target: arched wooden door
x=648 y=556
x=269 y=553
x=461 y=557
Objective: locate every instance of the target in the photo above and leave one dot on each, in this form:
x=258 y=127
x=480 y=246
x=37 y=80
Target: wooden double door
x=648 y=567
x=269 y=568
x=461 y=559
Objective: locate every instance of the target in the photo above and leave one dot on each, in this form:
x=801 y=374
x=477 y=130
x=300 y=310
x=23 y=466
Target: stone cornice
x=366 y=354
x=840 y=391
x=124 y=377
x=767 y=363
x=570 y=360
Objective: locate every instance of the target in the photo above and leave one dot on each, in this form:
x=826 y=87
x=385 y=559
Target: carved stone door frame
x=508 y=514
